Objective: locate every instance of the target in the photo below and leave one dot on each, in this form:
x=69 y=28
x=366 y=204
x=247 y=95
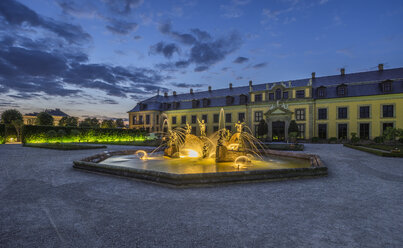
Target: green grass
x=64 y=146
x=384 y=147
x=368 y=149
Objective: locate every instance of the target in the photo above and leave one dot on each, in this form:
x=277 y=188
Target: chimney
x=313 y=75
x=250 y=83
x=166 y=94
x=209 y=88
x=174 y=93
x=380 y=67
x=342 y=71
x=250 y=86
x=230 y=86
x=191 y=91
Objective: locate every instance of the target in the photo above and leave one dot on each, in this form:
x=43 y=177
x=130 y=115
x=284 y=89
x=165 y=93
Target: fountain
x=221 y=157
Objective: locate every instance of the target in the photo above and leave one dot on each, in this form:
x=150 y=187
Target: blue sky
x=99 y=57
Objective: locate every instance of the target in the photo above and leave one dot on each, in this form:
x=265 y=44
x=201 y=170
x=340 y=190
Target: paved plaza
x=44 y=202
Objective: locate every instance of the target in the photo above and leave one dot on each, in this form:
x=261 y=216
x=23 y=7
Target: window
x=228 y=128
x=204 y=117
x=183 y=119
x=301 y=131
x=386 y=125
x=322 y=114
x=206 y=102
x=243 y=99
x=387 y=111
x=229 y=100
x=300 y=114
x=364 y=130
x=241 y=117
x=195 y=103
x=321 y=91
x=215 y=128
x=364 y=112
x=285 y=95
x=194 y=119
x=135 y=119
x=342 y=131
x=342 y=113
x=342 y=90
x=258 y=115
x=258 y=97
x=228 y=118
x=216 y=118
x=322 y=131
x=141 y=120
x=194 y=130
x=300 y=94
x=386 y=86
x=257 y=131
x=176 y=105
x=147 y=119
x=143 y=106
x=271 y=96
x=173 y=120
x=278 y=94
x=157 y=120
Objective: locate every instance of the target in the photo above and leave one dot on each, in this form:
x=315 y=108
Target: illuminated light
x=189 y=153
x=233 y=147
x=141 y=154
x=242 y=162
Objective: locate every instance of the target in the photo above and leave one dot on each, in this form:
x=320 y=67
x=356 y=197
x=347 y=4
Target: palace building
x=365 y=103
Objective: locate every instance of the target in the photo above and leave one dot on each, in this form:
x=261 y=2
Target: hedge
x=376 y=152
x=2 y=134
x=52 y=134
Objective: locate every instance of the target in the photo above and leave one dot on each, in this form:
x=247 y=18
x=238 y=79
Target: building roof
x=359 y=84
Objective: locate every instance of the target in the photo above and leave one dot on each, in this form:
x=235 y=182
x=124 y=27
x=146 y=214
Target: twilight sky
x=99 y=57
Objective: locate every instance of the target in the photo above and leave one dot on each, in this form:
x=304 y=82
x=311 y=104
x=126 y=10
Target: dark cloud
x=123 y=7
x=225 y=69
x=166 y=49
x=240 y=60
x=121 y=27
x=14 y=13
x=186 y=85
x=109 y=101
x=204 y=51
x=137 y=37
x=260 y=65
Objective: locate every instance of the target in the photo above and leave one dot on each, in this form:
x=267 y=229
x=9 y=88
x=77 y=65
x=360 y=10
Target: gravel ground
x=44 y=202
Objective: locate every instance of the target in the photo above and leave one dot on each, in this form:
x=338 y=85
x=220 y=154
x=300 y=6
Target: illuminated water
x=187 y=165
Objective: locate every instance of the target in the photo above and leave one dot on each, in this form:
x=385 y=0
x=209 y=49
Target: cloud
x=186 y=85
x=165 y=49
x=345 y=52
x=240 y=60
x=137 y=37
x=260 y=65
x=187 y=39
x=109 y=101
x=16 y=14
x=123 y=7
x=201 y=68
x=233 y=9
x=121 y=27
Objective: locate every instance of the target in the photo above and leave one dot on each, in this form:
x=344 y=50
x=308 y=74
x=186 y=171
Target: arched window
x=278 y=94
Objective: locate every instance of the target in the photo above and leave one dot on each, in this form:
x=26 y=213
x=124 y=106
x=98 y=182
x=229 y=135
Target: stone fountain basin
x=95 y=164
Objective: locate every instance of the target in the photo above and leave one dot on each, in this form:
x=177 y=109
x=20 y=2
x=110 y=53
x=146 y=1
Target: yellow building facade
x=365 y=103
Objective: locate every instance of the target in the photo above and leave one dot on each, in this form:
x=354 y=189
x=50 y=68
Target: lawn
x=65 y=146
x=382 y=150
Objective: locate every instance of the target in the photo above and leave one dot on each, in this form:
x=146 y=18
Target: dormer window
x=321 y=91
x=243 y=99
x=258 y=97
x=278 y=94
x=143 y=106
x=229 y=100
x=386 y=86
x=176 y=105
x=342 y=90
x=195 y=103
x=206 y=102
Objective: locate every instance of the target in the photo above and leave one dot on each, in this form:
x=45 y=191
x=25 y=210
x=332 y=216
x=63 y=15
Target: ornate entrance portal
x=278 y=131
x=278 y=120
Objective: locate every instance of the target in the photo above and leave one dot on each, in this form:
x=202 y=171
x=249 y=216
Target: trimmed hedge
x=52 y=134
x=64 y=147
x=376 y=152
x=2 y=133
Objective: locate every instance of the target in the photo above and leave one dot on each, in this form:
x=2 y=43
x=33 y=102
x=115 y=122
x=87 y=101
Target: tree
x=44 y=119
x=89 y=123
x=10 y=115
x=108 y=124
x=262 y=128
x=293 y=131
x=18 y=124
x=120 y=123
x=94 y=123
x=68 y=121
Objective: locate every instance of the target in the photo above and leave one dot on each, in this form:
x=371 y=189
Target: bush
x=314 y=139
x=40 y=134
x=354 y=138
x=378 y=139
x=44 y=119
x=2 y=133
x=333 y=140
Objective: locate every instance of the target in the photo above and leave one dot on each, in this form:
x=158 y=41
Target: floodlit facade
x=365 y=103
x=57 y=114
